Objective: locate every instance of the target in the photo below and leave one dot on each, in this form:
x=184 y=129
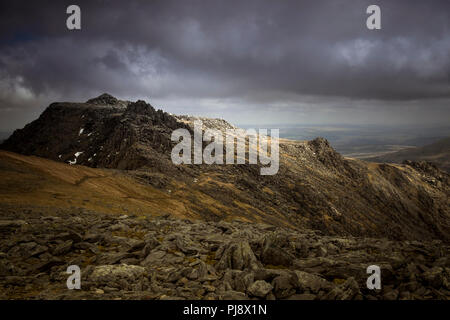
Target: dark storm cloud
x=226 y=56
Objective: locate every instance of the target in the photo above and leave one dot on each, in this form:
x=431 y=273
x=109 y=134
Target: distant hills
x=437 y=153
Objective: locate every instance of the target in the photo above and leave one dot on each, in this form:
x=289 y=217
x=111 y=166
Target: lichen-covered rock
x=273 y=251
x=237 y=255
x=260 y=288
x=122 y=276
x=307 y=281
x=348 y=290
x=284 y=286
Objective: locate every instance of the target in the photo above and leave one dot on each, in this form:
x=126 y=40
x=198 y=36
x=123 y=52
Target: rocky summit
x=92 y=184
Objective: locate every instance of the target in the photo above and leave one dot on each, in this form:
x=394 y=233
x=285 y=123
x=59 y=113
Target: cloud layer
x=247 y=61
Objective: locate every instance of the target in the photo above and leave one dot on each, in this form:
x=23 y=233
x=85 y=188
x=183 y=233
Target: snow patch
x=76 y=156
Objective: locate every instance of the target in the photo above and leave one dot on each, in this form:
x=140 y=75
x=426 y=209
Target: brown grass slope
x=29 y=181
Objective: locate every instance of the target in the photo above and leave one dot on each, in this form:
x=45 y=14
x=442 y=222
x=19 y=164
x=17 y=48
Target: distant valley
x=364 y=142
x=437 y=153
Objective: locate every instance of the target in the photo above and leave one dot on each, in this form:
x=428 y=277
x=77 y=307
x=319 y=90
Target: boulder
x=117 y=276
x=273 y=253
x=349 y=290
x=260 y=288
x=284 y=286
x=237 y=255
x=311 y=282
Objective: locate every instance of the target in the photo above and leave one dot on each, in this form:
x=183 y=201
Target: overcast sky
x=250 y=62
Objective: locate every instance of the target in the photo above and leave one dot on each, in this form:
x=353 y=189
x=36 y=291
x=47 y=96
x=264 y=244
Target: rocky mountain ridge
x=315 y=187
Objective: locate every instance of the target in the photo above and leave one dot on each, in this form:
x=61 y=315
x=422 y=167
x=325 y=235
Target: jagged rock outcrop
x=106 y=99
x=430 y=171
x=103 y=132
x=237 y=256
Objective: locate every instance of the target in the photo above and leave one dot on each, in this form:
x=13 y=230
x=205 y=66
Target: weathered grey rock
x=127 y=243
x=273 y=253
x=193 y=274
x=237 y=255
x=154 y=258
x=302 y=296
x=93 y=237
x=113 y=258
x=390 y=295
x=209 y=288
x=122 y=276
x=243 y=280
x=87 y=247
x=284 y=286
x=311 y=282
x=70 y=235
x=10 y=225
x=185 y=245
x=174 y=276
x=136 y=246
x=233 y=295
x=62 y=248
x=435 y=277
x=6 y=267
x=150 y=244
x=26 y=250
x=405 y=295
x=164 y=297
x=260 y=288
x=48 y=264
x=349 y=290
x=269 y=274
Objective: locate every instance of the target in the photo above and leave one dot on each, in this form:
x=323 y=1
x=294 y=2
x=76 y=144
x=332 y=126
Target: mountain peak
x=140 y=107
x=104 y=98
